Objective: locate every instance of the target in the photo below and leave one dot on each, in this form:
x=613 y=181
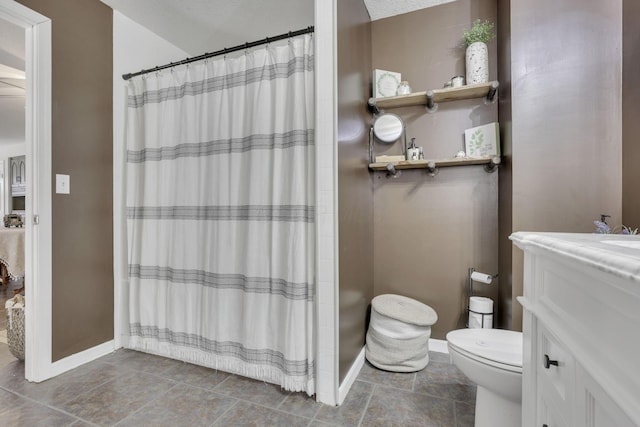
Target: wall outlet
x=63 y=184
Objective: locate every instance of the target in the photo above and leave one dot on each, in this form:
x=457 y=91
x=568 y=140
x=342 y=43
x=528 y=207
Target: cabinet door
x=594 y=407
x=22 y=170
x=14 y=171
x=547 y=416
x=555 y=371
x=18 y=171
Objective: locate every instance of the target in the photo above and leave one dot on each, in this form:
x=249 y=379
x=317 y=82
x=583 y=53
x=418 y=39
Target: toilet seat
x=495 y=347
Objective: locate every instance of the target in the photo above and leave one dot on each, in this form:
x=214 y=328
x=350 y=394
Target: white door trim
x=38 y=200
x=326 y=326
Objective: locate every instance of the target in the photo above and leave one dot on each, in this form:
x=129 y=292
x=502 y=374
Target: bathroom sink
x=633 y=244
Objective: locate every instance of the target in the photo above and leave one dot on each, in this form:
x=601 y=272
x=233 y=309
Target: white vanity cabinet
x=581 y=325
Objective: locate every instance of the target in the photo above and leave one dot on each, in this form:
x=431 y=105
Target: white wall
x=134 y=48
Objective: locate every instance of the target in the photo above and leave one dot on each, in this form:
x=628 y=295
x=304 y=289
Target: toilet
x=491 y=358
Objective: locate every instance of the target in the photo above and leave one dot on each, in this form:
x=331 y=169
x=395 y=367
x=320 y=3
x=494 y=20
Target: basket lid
x=404 y=309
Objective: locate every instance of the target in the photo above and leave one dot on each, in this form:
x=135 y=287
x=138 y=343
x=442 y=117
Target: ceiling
x=379 y=9
x=199 y=26
x=12 y=83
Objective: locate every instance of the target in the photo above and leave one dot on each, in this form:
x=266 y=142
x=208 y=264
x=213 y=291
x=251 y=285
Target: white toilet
x=491 y=358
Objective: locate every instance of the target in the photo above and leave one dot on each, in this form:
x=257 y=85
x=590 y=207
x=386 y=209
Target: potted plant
x=477 y=54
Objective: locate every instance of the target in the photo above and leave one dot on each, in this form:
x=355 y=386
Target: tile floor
x=128 y=388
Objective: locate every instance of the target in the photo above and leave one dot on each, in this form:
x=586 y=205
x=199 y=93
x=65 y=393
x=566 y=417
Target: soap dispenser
x=413 y=152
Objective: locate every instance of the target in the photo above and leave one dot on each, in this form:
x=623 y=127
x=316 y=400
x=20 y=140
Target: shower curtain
x=221 y=213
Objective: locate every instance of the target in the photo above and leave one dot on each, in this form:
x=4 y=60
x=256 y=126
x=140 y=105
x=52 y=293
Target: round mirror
x=388 y=128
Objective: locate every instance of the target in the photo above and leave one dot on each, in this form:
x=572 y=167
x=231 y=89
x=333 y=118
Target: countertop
x=617 y=254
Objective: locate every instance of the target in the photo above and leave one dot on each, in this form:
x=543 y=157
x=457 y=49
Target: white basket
x=15 y=326
x=398 y=335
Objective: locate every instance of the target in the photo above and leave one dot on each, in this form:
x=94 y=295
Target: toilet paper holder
x=475 y=276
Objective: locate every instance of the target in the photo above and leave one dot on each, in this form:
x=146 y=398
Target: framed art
x=385 y=83
x=482 y=141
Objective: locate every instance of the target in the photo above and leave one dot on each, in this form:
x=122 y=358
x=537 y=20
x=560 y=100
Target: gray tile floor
x=129 y=388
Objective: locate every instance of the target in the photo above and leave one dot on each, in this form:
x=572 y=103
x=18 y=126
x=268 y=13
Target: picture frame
x=482 y=141
x=385 y=83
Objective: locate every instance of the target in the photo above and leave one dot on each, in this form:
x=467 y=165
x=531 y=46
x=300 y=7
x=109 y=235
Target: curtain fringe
x=227 y=364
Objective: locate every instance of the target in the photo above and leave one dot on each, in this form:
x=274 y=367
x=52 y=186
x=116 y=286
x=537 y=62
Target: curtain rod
x=223 y=51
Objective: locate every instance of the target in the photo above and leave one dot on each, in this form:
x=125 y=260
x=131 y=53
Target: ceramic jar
x=477 y=63
x=404 y=88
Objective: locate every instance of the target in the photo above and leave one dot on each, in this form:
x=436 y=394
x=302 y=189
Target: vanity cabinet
x=18 y=175
x=581 y=317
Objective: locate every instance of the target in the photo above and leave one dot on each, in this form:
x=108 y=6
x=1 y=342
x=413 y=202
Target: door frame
x=38 y=219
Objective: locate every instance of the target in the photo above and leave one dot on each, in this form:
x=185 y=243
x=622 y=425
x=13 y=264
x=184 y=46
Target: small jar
x=457 y=81
x=404 y=88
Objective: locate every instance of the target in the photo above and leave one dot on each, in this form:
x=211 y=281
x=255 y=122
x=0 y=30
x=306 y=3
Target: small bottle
x=413 y=150
x=404 y=88
x=420 y=154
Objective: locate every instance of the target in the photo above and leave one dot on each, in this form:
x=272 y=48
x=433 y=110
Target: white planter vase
x=477 y=63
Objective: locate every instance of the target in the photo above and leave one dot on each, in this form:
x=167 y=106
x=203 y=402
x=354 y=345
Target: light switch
x=62 y=184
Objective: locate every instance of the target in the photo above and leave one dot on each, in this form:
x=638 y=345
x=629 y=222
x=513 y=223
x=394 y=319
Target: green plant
x=481 y=31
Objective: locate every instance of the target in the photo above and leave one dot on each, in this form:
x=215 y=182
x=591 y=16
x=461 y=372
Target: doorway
x=37 y=191
x=12 y=189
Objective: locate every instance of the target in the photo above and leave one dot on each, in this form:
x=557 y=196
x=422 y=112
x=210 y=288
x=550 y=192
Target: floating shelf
x=430 y=98
x=490 y=162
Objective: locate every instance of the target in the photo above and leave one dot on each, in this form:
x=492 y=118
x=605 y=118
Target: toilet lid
x=494 y=345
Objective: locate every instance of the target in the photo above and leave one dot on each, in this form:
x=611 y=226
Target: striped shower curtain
x=220 y=214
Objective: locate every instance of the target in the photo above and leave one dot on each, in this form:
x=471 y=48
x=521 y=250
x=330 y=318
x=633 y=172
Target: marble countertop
x=617 y=254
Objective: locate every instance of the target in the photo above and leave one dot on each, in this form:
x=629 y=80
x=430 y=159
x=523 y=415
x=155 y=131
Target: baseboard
x=351 y=377
x=439 y=346
x=75 y=360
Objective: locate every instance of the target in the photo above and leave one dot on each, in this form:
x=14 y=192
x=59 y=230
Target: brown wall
x=505 y=203
x=355 y=206
x=566 y=108
x=429 y=231
x=630 y=113
x=82 y=147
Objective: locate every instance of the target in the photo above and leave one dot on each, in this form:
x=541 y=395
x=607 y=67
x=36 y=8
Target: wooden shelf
x=431 y=97
x=431 y=164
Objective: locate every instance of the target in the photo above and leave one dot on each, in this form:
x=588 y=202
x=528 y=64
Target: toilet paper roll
x=476 y=276
x=475 y=321
x=481 y=305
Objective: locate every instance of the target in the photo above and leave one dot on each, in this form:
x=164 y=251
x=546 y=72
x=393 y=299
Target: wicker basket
x=15 y=326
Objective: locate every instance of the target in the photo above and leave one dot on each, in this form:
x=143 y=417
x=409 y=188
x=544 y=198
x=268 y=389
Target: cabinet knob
x=545 y=425
x=548 y=362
